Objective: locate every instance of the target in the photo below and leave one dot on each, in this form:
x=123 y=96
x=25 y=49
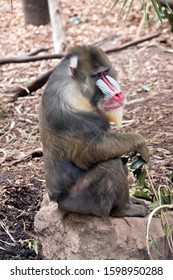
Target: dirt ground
x=145 y=73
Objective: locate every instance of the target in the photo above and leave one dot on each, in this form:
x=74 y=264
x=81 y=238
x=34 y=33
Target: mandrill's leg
x=103 y=191
x=85 y=197
x=96 y=193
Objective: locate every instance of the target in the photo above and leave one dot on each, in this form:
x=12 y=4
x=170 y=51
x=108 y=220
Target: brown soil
x=145 y=74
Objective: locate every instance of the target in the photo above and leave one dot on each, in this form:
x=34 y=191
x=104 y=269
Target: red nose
x=119 y=96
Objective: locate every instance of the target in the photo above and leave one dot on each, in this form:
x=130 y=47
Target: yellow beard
x=115 y=115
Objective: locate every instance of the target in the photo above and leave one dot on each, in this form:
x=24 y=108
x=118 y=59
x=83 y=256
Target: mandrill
x=83 y=168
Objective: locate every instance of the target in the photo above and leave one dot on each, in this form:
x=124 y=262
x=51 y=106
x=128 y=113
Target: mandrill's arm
x=110 y=145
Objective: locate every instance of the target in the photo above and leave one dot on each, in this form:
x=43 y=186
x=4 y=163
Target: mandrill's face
x=101 y=88
x=113 y=101
x=108 y=97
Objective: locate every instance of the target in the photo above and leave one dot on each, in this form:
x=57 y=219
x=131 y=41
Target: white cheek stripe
x=73 y=61
x=105 y=89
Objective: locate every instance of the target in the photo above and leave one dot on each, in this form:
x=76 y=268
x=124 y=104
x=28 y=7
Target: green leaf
x=167 y=5
x=137 y=163
x=166 y=230
x=156 y=7
x=154 y=243
x=141 y=194
x=153 y=205
x=141 y=178
x=128 y=12
x=121 y=11
x=144 y=6
x=166 y=198
x=32 y=245
x=113 y=6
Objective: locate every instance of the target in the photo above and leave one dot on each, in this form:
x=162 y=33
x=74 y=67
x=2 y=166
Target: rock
x=74 y=236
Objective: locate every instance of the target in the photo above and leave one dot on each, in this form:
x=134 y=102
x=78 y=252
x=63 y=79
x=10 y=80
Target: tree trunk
x=36 y=12
x=58 y=29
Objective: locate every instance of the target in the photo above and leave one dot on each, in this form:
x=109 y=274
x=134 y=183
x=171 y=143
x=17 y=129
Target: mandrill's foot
x=134 y=209
x=134 y=200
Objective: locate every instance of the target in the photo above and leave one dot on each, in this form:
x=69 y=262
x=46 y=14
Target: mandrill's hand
x=130 y=142
x=143 y=150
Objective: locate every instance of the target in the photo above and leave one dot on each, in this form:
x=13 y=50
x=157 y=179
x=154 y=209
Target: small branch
x=38 y=83
x=21 y=156
x=105 y=40
x=6 y=230
x=29 y=58
x=142 y=99
x=132 y=43
x=38 y=51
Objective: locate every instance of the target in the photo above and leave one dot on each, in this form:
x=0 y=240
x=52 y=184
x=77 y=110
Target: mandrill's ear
x=73 y=64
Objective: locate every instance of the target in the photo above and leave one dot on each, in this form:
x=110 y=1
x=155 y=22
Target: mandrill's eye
x=99 y=72
x=106 y=72
x=95 y=75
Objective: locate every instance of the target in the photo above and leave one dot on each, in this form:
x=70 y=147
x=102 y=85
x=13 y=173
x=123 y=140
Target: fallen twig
x=142 y=99
x=23 y=59
x=38 y=51
x=38 y=83
x=6 y=230
x=132 y=43
x=7 y=243
x=21 y=156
